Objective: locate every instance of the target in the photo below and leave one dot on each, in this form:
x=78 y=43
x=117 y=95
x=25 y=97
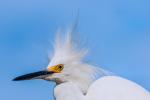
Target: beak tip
x=20 y=78
x=16 y=79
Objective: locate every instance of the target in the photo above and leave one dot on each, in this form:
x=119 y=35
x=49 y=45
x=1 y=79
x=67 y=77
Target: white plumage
x=105 y=88
x=116 y=88
x=78 y=80
x=82 y=83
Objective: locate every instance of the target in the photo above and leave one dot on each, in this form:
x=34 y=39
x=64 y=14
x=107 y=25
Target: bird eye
x=57 y=68
x=61 y=66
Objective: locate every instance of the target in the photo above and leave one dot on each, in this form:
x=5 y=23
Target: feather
x=66 y=49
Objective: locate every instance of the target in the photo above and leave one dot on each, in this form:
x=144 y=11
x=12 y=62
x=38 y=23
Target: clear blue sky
x=118 y=33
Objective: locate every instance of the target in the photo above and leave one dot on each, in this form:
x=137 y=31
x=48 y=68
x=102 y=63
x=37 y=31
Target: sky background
x=117 y=33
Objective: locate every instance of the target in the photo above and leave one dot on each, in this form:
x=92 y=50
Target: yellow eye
x=60 y=66
x=57 y=68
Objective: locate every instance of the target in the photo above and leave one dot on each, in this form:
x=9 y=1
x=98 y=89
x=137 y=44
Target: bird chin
x=56 y=80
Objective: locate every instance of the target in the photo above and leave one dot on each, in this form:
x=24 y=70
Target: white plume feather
x=66 y=50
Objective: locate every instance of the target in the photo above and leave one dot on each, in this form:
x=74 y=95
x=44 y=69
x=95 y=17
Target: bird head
x=66 y=65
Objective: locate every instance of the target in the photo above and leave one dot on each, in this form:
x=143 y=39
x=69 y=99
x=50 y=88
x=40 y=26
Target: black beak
x=35 y=75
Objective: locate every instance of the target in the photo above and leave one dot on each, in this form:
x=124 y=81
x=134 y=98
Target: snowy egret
x=78 y=80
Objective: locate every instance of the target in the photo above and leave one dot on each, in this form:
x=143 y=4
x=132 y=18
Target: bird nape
x=78 y=80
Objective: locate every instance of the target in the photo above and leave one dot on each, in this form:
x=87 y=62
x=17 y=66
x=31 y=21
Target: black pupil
x=60 y=67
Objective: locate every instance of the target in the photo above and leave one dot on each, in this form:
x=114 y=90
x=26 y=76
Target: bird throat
x=68 y=91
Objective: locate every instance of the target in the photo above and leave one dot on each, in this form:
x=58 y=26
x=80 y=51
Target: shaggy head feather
x=75 y=70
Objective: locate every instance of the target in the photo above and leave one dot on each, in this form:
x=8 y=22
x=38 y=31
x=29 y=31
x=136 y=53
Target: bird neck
x=68 y=91
x=77 y=87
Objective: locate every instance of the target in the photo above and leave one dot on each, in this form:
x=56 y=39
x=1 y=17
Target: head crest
x=66 y=49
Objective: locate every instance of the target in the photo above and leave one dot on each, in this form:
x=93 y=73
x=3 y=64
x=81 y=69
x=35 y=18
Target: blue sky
x=117 y=34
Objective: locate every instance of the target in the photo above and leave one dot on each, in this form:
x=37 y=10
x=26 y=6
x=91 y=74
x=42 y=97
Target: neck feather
x=68 y=91
x=77 y=86
x=88 y=74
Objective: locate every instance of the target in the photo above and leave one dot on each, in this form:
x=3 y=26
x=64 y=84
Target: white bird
x=78 y=80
